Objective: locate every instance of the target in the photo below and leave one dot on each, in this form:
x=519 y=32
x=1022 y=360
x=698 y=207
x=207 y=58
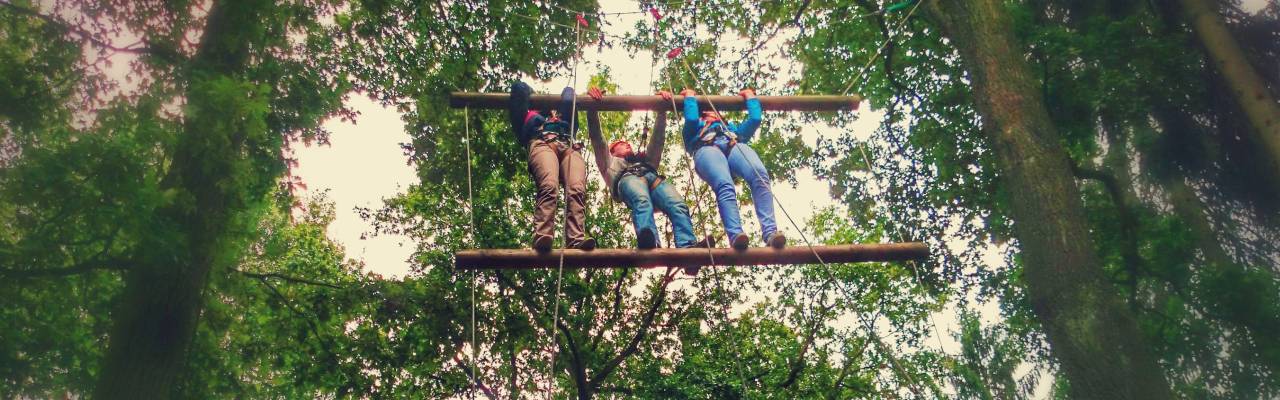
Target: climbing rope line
x=716 y=275
x=880 y=49
x=573 y=119
x=762 y=177
x=915 y=270
x=564 y=25
x=471 y=211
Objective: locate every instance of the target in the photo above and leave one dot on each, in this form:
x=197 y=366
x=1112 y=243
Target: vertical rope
x=555 y=315
x=471 y=211
x=761 y=176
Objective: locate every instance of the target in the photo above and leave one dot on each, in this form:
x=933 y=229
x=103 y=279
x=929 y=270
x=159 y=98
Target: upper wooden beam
x=655 y=102
x=621 y=258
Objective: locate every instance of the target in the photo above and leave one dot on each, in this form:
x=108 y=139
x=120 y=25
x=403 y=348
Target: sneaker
x=541 y=243
x=777 y=241
x=646 y=239
x=741 y=241
x=587 y=244
x=692 y=271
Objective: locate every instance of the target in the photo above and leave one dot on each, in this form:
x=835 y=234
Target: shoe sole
x=542 y=244
x=778 y=241
x=646 y=240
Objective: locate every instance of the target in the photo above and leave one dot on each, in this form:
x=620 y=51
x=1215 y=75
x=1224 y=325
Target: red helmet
x=616 y=143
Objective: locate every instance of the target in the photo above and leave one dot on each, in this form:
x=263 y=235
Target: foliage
x=90 y=191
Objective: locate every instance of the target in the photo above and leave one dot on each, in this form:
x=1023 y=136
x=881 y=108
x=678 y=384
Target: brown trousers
x=552 y=164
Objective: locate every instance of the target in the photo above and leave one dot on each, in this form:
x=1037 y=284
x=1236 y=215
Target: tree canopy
x=1097 y=186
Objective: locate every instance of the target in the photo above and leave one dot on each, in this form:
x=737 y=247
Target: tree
x=1086 y=325
x=1247 y=88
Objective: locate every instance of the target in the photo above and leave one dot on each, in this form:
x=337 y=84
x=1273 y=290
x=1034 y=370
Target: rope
x=466 y=123
x=555 y=316
x=883 y=44
x=915 y=270
x=760 y=176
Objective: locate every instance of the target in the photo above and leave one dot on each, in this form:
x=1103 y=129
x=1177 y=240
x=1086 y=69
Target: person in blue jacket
x=721 y=154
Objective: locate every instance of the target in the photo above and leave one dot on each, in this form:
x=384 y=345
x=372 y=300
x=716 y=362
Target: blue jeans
x=718 y=165
x=636 y=192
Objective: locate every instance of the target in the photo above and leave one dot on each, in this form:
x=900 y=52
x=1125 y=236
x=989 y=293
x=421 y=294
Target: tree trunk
x=1093 y=336
x=1246 y=85
x=157 y=316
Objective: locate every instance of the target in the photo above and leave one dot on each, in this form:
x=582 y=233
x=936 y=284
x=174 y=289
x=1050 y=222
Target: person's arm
x=566 y=109
x=747 y=129
x=691 y=121
x=658 y=140
x=597 y=144
x=518 y=107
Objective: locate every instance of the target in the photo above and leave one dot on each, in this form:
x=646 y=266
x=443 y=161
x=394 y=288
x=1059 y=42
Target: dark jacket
x=528 y=124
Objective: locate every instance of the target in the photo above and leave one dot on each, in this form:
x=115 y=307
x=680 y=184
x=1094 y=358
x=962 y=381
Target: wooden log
x=654 y=102
x=622 y=258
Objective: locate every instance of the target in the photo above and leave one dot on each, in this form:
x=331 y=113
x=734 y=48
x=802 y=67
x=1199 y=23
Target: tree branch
x=660 y=294
x=74 y=30
x=115 y=264
x=285 y=278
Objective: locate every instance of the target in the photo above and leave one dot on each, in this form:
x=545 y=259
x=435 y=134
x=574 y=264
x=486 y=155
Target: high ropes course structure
x=692 y=259
x=626 y=258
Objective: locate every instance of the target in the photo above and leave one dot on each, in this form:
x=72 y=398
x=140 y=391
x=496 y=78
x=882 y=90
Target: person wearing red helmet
x=632 y=178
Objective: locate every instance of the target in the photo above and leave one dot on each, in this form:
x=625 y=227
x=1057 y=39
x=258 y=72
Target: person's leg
x=713 y=168
x=744 y=163
x=544 y=165
x=573 y=173
x=666 y=198
x=634 y=191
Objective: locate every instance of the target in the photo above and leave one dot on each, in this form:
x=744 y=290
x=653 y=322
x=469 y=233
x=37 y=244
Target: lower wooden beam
x=622 y=258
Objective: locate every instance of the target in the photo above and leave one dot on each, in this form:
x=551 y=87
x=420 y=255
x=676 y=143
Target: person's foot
x=692 y=271
x=741 y=242
x=587 y=244
x=541 y=243
x=646 y=239
x=777 y=240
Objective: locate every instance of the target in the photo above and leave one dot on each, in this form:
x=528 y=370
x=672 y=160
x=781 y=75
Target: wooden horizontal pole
x=655 y=102
x=621 y=258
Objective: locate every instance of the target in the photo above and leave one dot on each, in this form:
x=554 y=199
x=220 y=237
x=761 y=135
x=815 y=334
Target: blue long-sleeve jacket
x=746 y=130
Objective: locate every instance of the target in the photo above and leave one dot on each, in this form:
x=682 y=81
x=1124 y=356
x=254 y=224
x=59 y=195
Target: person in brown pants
x=554 y=160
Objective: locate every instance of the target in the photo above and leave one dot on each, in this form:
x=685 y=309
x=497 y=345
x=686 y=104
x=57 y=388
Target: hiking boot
x=587 y=244
x=777 y=240
x=541 y=243
x=741 y=241
x=646 y=239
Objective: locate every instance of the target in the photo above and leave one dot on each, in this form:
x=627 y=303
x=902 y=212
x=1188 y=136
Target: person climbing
x=554 y=160
x=633 y=179
x=721 y=154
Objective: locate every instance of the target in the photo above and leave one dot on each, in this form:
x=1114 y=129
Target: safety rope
x=466 y=123
x=555 y=315
x=762 y=177
x=915 y=269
